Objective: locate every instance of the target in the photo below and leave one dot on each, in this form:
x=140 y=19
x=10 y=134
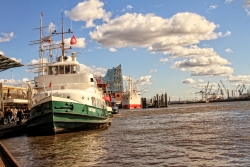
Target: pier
x=157 y=101
x=12 y=129
x=6 y=159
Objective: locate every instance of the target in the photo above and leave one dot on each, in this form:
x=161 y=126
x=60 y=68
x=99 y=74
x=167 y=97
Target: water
x=210 y=134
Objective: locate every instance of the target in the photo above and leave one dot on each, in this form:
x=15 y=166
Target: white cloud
x=177 y=36
x=228 y=33
x=18 y=60
x=188 y=81
x=150 y=30
x=248 y=12
x=246 y=3
x=134 y=49
x=80 y=43
x=200 y=80
x=202 y=86
x=228 y=50
x=88 y=11
x=200 y=62
x=210 y=64
x=152 y=71
x=162 y=90
x=51 y=27
x=247 y=6
x=144 y=80
x=212 y=7
x=198 y=86
x=211 y=71
x=124 y=77
x=112 y=50
x=129 y=7
x=228 y=1
x=13 y=81
x=37 y=62
x=163 y=60
x=4 y=37
x=97 y=71
x=239 y=79
x=1 y=52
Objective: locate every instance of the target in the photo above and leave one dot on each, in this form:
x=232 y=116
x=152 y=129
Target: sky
x=175 y=46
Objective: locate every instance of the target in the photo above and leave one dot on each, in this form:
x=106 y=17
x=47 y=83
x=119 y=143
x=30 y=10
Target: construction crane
x=202 y=93
x=209 y=93
x=236 y=90
x=242 y=89
x=218 y=89
x=206 y=88
x=226 y=90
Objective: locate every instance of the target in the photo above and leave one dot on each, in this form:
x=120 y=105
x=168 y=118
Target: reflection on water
x=214 y=134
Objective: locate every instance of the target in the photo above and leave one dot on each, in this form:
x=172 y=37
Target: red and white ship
x=131 y=98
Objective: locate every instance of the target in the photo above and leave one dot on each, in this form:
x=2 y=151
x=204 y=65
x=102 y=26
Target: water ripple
x=215 y=134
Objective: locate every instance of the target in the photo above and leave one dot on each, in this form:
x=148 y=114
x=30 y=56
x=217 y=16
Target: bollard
x=166 y=99
x=157 y=100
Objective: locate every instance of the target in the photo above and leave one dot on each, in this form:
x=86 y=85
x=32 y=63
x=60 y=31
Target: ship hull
x=60 y=115
x=131 y=101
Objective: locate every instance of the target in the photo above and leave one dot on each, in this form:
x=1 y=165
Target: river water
x=205 y=134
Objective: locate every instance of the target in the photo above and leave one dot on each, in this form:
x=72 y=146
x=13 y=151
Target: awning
x=7 y=63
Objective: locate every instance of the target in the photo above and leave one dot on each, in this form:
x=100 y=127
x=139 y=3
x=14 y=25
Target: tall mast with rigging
x=40 y=41
x=41 y=44
x=69 y=31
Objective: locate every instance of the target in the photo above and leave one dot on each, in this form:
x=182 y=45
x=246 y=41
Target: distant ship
x=131 y=98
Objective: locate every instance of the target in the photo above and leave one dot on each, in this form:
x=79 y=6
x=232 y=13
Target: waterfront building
x=114 y=80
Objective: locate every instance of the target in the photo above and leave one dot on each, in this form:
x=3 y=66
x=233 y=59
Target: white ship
x=131 y=98
x=65 y=97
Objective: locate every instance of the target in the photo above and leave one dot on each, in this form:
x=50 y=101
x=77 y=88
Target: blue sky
x=172 y=46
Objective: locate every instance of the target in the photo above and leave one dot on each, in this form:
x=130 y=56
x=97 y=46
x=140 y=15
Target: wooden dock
x=6 y=159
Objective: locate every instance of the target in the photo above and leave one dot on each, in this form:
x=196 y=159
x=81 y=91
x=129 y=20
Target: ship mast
x=41 y=45
x=69 y=31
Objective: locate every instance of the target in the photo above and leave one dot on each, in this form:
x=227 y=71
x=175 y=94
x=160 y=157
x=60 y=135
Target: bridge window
x=73 y=69
x=61 y=69
x=67 y=69
x=50 y=70
x=55 y=70
x=93 y=101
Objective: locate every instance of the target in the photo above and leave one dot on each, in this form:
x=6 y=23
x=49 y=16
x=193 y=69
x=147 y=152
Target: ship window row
x=63 y=69
x=97 y=102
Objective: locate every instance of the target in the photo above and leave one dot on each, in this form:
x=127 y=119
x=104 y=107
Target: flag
x=73 y=40
x=41 y=13
x=50 y=84
x=46 y=39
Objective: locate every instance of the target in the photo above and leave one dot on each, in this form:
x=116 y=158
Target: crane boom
x=218 y=88
x=226 y=90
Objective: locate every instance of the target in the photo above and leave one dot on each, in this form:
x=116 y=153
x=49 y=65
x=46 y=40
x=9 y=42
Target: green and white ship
x=65 y=96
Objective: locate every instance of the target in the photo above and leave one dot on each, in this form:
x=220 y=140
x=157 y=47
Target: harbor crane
x=209 y=93
x=206 y=88
x=202 y=93
x=218 y=89
x=236 y=90
x=241 y=89
x=226 y=90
